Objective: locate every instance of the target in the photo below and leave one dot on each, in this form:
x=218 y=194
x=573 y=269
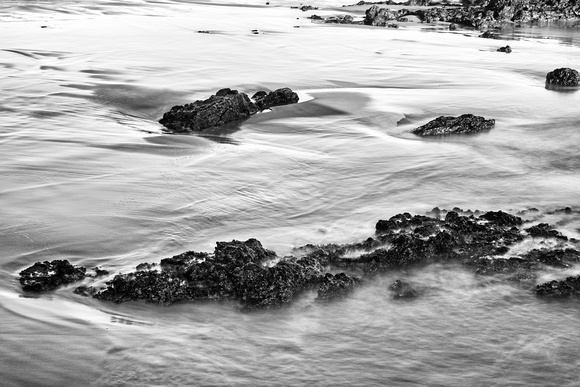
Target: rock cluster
x=492 y=13
x=444 y=125
x=225 y=106
x=257 y=278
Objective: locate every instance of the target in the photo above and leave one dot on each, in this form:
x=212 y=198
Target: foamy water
x=88 y=175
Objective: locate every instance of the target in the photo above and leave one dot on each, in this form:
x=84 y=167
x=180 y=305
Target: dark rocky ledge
x=225 y=106
x=257 y=278
x=443 y=125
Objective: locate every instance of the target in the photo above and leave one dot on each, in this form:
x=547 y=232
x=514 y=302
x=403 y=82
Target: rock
x=544 y=230
x=560 y=289
x=506 y=49
x=225 y=106
x=444 y=125
x=44 y=276
x=256 y=278
x=277 y=97
x=235 y=271
x=335 y=287
x=402 y=289
x=489 y=35
x=502 y=218
x=563 y=77
x=452 y=27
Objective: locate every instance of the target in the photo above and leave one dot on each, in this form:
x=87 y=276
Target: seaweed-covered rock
x=336 y=286
x=402 y=289
x=563 y=77
x=225 y=106
x=444 y=125
x=44 y=276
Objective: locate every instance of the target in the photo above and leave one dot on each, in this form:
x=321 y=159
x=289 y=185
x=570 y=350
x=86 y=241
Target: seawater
x=87 y=174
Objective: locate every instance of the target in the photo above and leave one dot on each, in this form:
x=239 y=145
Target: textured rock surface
x=563 y=77
x=225 y=106
x=486 y=243
x=466 y=123
x=44 y=276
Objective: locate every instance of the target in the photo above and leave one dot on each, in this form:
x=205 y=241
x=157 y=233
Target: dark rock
x=563 y=77
x=402 y=289
x=444 y=125
x=560 y=289
x=225 y=106
x=44 y=276
x=502 y=218
x=452 y=27
x=100 y=272
x=145 y=266
x=506 y=49
x=544 y=230
x=85 y=291
x=340 y=19
x=277 y=97
x=336 y=286
x=305 y=8
x=489 y=35
x=375 y=16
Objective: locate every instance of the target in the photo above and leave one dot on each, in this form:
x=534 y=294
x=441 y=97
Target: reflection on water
x=89 y=175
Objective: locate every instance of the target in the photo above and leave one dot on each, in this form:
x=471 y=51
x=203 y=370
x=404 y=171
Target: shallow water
x=88 y=175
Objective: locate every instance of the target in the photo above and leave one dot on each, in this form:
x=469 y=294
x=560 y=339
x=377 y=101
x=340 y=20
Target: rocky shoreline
x=479 y=14
x=256 y=278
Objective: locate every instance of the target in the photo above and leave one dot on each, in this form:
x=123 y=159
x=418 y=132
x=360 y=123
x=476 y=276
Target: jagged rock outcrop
x=44 y=276
x=225 y=106
x=487 y=243
x=444 y=125
x=563 y=77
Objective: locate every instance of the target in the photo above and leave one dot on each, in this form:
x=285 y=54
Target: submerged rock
x=402 y=289
x=563 y=77
x=444 y=125
x=44 y=276
x=225 y=106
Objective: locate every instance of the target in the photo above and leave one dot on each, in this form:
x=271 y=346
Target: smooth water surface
x=87 y=174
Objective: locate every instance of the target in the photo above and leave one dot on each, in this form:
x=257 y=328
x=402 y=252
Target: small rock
x=466 y=123
x=506 y=49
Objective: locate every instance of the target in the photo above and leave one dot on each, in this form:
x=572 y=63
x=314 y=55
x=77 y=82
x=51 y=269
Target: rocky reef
x=225 y=106
x=256 y=278
x=444 y=125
